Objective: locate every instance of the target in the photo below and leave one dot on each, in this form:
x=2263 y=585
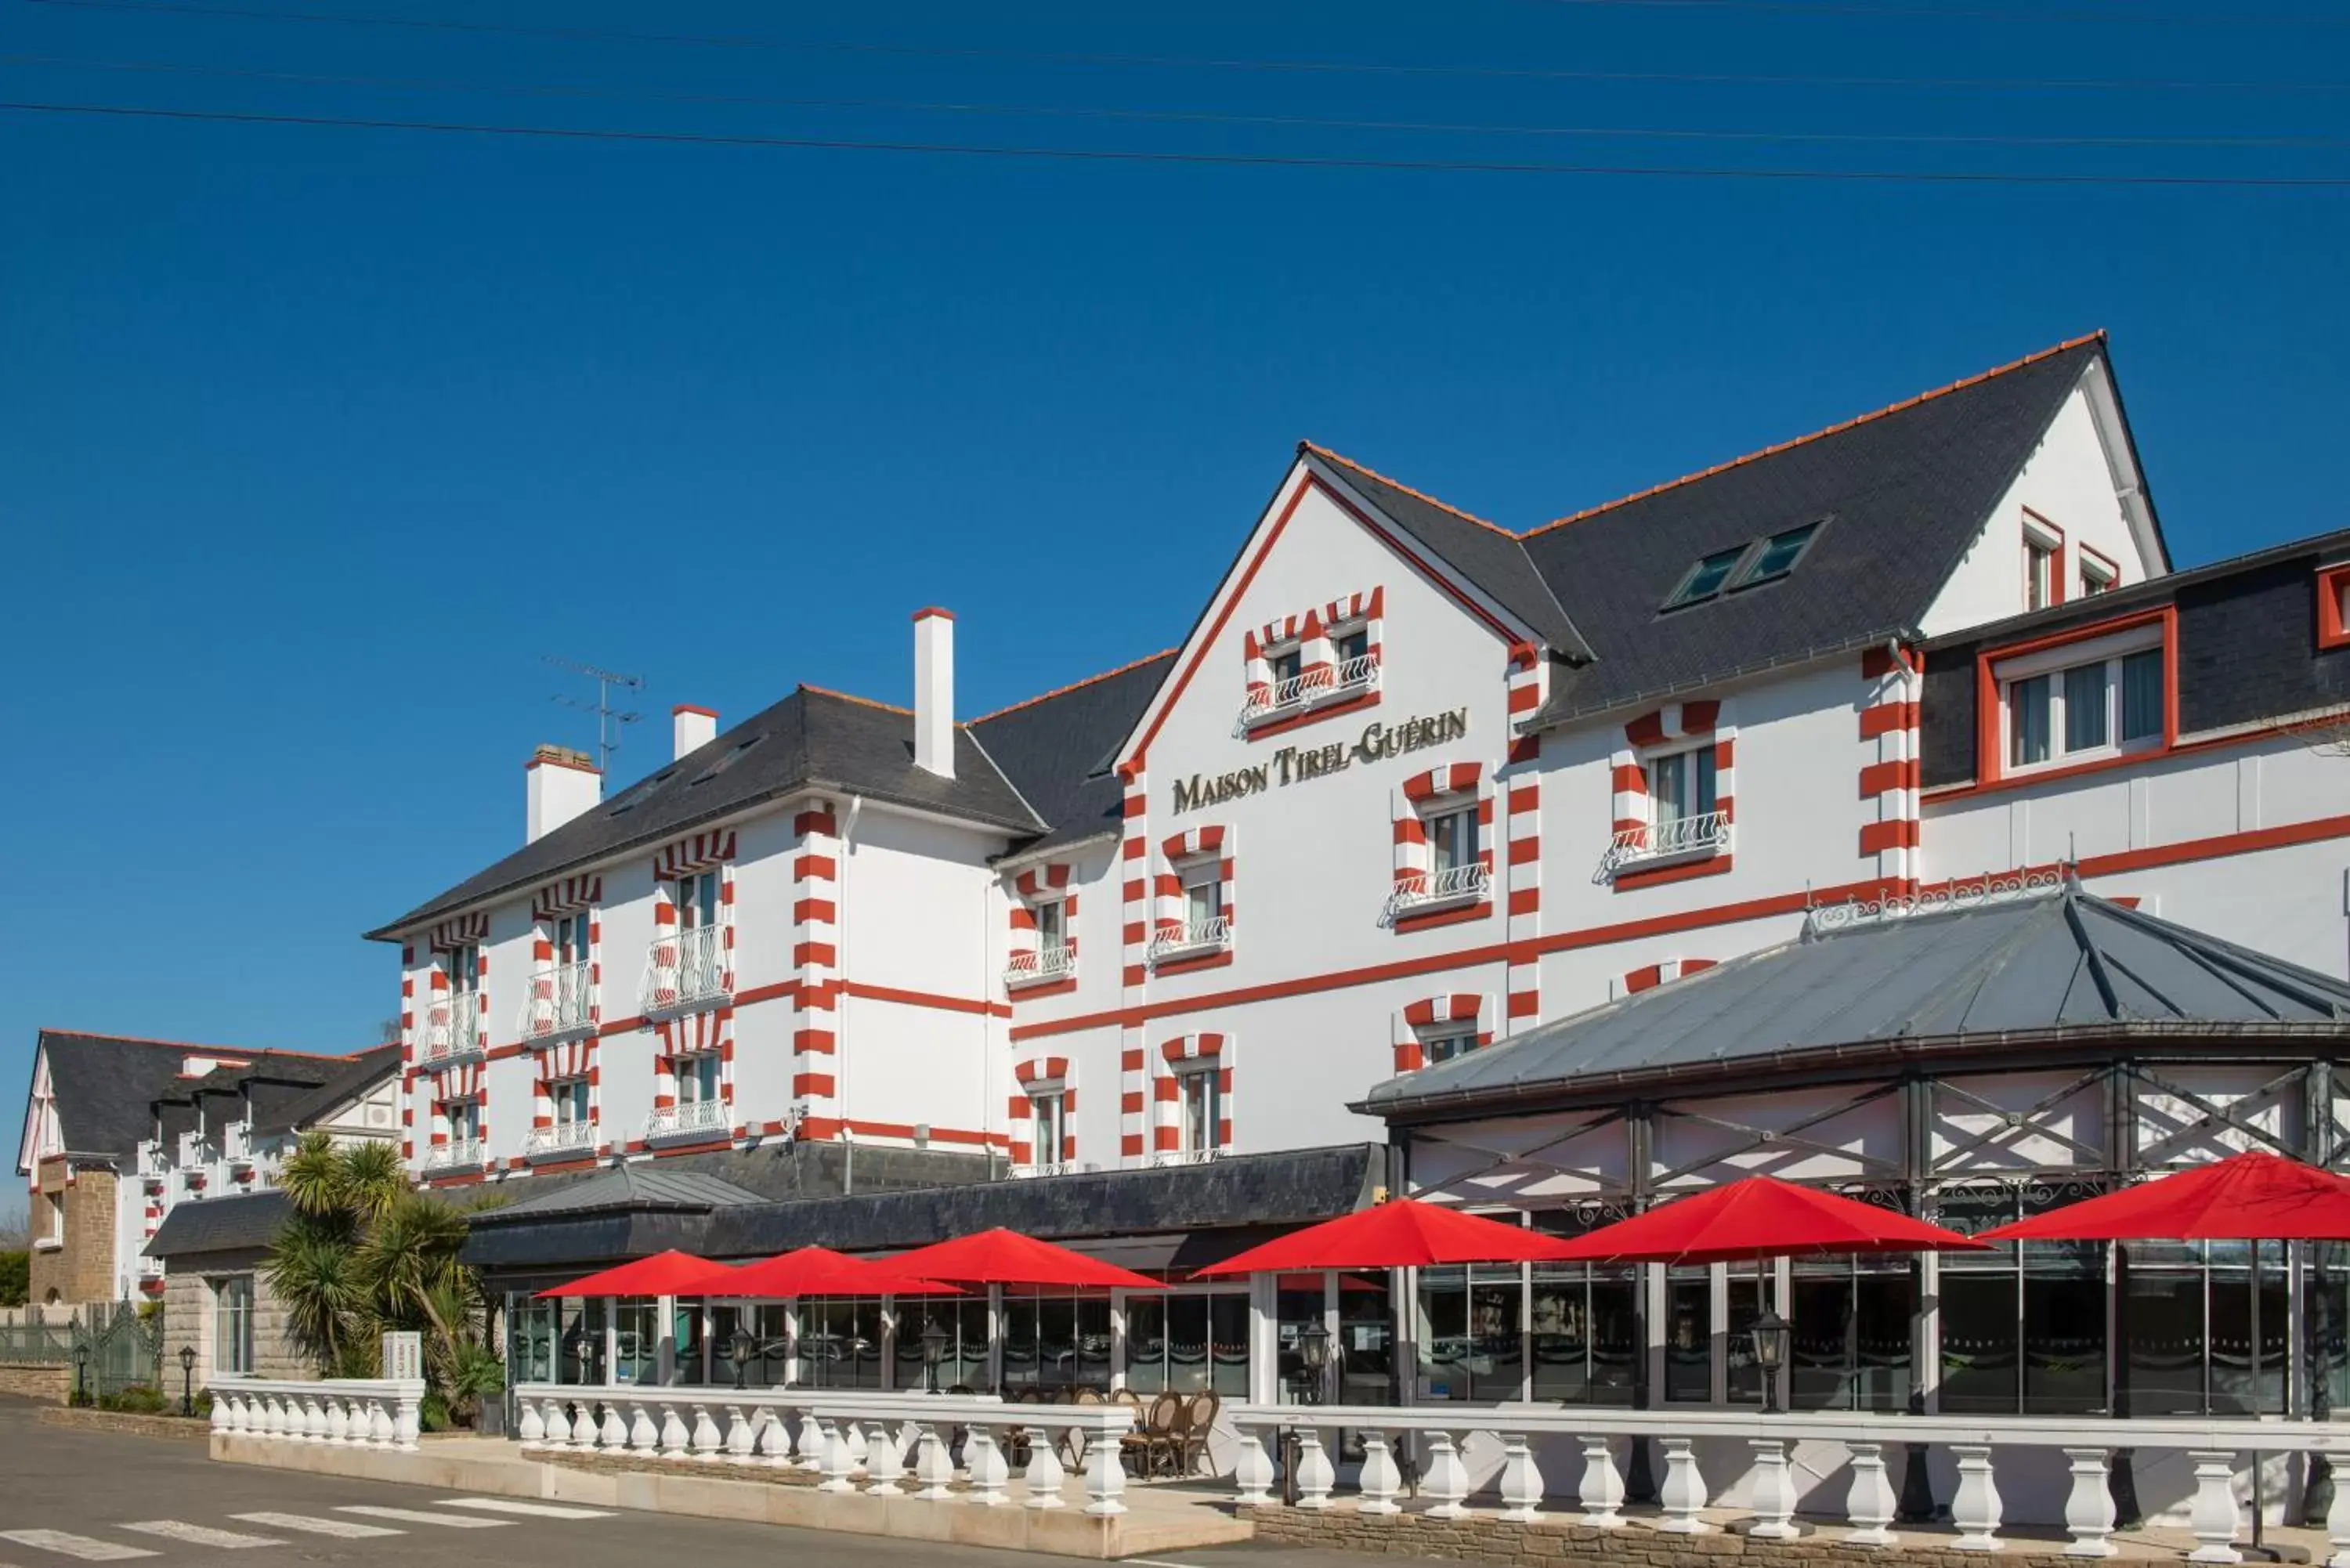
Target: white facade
x=1281 y=919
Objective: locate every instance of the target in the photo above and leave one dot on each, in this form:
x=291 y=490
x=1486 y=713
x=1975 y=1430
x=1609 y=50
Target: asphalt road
x=69 y=1498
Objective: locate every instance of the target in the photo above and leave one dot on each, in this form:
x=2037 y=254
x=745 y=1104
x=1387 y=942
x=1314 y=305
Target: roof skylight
x=1764 y=560
x=1705 y=579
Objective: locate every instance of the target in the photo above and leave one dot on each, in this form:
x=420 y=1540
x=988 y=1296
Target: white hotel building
x=1412 y=783
x=1519 y=853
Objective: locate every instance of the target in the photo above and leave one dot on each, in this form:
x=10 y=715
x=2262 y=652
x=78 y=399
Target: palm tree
x=364 y=1251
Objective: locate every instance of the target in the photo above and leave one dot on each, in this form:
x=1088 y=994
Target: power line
x=1205 y=62
x=1181 y=116
x=1975 y=12
x=1230 y=160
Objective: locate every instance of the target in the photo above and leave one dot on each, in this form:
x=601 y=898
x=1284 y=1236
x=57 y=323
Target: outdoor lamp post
x=1314 y=1345
x=187 y=1380
x=741 y=1347
x=81 y=1374
x=934 y=1350
x=1770 y=1333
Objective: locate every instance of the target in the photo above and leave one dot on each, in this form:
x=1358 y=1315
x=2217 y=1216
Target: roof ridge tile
x=1773 y=451
x=1131 y=664
x=1326 y=453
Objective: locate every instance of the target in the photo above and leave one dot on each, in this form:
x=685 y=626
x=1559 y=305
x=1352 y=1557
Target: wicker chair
x=1149 y=1449
x=1200 y=1414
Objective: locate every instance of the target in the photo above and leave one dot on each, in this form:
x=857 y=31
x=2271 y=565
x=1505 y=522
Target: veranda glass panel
x=1585 y=1332
x=1443 y=1334
x=1689 y=1337
x=1745 y=1382
x=1227 y=1339
x=1297 y=1306
x=1365 y=1340
x=685 y=1334
x=1146 y=1342
x=1093 y=1342
x=637 y=1348
x=1019 y=1342
x=2236 y=1388
x=1187 y=1343
x=1497 y=1342
x=530 y=1339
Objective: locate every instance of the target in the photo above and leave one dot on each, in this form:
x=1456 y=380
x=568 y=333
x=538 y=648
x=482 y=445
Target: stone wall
x=51 y=1384
x=175 y=1427
x=189 y=1317
x=83 y=1268
x=1549 y=1542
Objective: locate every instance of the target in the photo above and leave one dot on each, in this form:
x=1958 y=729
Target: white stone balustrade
x=353 y=1412
x=2082 y=1446
x=885 y=1444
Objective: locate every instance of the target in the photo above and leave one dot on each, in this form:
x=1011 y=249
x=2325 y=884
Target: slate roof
x=107 y=1086
x=632 y=1187
x=243 y=1222
x=2041 y=968
x=1293 y=1187
x=812 y=739
x=359 y=1074
x=1905 y=493
x=1486 y=553
x=1057 y=749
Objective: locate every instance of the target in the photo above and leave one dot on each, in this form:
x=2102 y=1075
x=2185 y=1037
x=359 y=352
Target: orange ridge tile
x=1326 y=453
x=2033 y=359
x=1072 y=685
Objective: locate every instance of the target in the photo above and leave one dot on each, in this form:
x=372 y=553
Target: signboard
x=403 y=1355
x=1295 y=764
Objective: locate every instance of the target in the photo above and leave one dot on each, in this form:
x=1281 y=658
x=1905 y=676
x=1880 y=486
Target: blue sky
x=314 y=440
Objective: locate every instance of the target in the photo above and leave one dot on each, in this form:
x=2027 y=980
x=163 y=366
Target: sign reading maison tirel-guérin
x=1295 y=764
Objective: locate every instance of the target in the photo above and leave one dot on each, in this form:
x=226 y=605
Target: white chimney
x=934 y=691
x=563 y=783
x=695 y=728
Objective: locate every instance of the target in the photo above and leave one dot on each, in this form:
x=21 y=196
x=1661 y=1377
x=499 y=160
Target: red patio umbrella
x=2248 y=1196
x=1759 y=1217
x=1402 y=1232
x=1001 y=1257
x=670 y=1273
x=821 y=1272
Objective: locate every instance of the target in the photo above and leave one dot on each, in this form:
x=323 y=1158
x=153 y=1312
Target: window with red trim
x=2084 y=701
x=2334 y=606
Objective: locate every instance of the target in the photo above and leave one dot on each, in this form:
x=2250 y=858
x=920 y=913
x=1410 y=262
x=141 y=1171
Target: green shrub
x=16 y=1278
x=432 y=1412
x=137 y=1399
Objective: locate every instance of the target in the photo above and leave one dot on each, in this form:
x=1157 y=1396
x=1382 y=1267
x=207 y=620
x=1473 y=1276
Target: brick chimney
x=562 y=785
x=692 y=728
x=934 y=691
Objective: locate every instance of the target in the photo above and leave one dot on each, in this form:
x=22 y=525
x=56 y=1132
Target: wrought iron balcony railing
x=458 y=1154
x=563 y=1138
x=1465 y=883
x=697 y=1116
x=1309 y=689
x=561 y=1000
x=449 y=1027
x=1192 y=937
x=1058 y=962
x=685 y=969
x=1705 y=834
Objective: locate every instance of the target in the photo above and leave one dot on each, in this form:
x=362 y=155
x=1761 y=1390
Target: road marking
x=418 y=1516
x=512 y=1505
x=303 y=1521
x=85 y=1547
x=199 y=1534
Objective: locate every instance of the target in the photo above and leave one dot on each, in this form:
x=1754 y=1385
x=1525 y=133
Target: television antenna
x=609 y=720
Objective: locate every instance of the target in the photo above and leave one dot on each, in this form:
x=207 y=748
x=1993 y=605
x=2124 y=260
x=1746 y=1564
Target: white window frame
x=2097 y=576
x=54 y=1205
x=1198 y=873
x=1199 y=1087
x=1047 y=1152
x=233 y=1302
x=1687 y=835
x=1339 y=635
x=574 y=1102
x=1461 y=1036
x=1059 y=915
x=1293 y=654
x=2042 y=547
x=690 y=1069
x=465 y=1127
x=2052 y=663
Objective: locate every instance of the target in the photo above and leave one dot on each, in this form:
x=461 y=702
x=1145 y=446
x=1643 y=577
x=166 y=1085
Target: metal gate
x=123 y=1348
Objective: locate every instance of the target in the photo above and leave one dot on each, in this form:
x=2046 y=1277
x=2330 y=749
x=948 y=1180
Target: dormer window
x=1749 y=565
x=1776 y=556
x=2089 y=696
x=1705 y=579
